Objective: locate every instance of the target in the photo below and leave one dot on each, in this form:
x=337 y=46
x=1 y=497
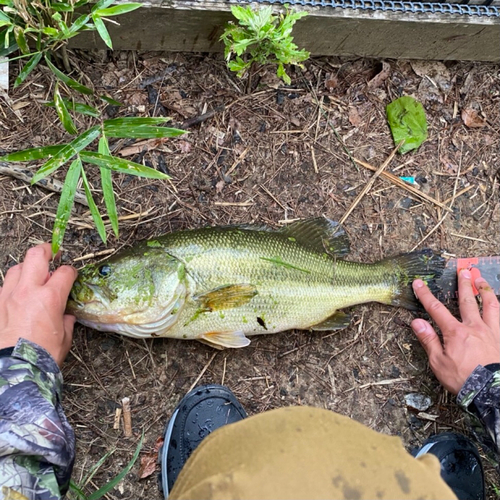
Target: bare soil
x=272 y=155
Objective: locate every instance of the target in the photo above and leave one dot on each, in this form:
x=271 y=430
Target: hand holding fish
x=32 y=303
x=467 y=344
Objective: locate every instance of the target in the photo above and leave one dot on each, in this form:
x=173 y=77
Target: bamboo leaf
x=117 y=9
x=121 y=165
x=109 y=486
x=67 y=152
x=109 y=100
x=94 y=211
x=79 y=24
x=65 y=204
x=78 y=107
x=142 y=132
x=102 y=4
x=107 y=187
x=102 y=30
x=67 y=80
x=21 y=41
x=62 y=112
x=28 y=68
x=32 y=154
x=134 y=121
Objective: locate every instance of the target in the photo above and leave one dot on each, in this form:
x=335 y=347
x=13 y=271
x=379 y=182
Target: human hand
x=467 y=344
x=32 y=304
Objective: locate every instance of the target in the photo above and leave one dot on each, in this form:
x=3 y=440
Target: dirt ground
x=272 y=155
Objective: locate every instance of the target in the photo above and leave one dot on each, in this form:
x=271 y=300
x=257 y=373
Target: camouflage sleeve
x=480 y=396
x=37 y=444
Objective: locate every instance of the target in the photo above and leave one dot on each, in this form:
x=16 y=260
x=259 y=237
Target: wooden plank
x=197 y=25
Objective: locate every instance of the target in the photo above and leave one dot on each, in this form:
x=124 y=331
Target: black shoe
x=461 y=467
x=200 y=412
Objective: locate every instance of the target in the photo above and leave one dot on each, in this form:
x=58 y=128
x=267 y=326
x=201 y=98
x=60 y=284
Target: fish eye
x=104 y=270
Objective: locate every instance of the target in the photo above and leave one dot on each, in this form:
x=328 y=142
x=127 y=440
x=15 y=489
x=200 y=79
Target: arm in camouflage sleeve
x=480 y=395
x=37 y=444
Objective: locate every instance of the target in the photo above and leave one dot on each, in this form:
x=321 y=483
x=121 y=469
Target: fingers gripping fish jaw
x=141 y=296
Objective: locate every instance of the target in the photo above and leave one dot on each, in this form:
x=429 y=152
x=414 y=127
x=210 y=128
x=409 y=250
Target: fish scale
x=227 y=283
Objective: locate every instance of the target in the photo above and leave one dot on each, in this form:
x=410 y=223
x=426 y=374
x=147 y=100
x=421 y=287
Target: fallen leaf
x=434 y=70
x=406 y=117
x=331 y=83
x=354 y=117
x=472 y=119
x=184 y=146
x=149 y=460
x=380 y=77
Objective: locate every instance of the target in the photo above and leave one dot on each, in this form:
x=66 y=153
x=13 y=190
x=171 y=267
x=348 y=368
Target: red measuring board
x=487 y=267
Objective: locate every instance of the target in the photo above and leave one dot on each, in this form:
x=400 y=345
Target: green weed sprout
x=262 y=37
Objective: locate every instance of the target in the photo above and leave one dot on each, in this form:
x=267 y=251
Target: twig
x=116 y=424
x=205 y=368
x=446 y=214
x=468 y=237
x=313 y=156
x=369 y=184
x=398 y=182
x=50 y=184
x=195 y=120
x=96 y=254
x=127 y=417
x=460 y=193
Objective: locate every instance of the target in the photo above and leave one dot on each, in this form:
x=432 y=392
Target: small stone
x=418 y=402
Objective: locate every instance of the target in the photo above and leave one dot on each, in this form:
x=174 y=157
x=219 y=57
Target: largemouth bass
x=219 y=285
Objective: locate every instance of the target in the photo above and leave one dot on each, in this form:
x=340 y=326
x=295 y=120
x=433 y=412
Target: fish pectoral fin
x=221 y=340
x=226 y=297
x=321 y=234
x=337 y=321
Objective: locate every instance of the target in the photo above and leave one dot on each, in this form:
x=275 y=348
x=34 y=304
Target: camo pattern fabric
x=37 y=444
x=480 y=396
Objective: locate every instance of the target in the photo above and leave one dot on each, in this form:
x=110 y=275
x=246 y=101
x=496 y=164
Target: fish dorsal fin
x=222 y=340
x=226 y=297
x=321 y=234
x=337 y=321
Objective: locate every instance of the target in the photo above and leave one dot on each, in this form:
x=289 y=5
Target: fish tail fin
x=425 y=265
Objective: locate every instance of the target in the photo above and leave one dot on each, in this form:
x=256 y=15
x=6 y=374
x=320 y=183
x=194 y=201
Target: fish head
x=135 y=293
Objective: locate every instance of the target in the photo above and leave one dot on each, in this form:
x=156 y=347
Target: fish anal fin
x=337 y=321
x=226 y=297
x=321 y=234
x=222 y=340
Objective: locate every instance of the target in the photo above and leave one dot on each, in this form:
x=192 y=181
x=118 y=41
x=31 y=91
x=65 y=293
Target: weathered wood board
x=197 y=25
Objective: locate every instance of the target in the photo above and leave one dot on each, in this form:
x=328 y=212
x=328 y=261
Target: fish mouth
x=99 y=295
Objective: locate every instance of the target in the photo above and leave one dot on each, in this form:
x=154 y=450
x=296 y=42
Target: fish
x=220 y=285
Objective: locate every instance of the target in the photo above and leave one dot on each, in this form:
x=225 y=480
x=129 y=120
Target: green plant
x=58 y=155
x=263 y=38
x=76 y=490
x=41 y=29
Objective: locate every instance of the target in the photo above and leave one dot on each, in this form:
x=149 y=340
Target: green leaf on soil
x=67 y=80
x=28 y=68
x=142 y=132
x=121 y=165
x=107 y=187
x=94 y=211
x=406 y=117
x=67 y=152
x=65 y=204
x=63 y=113
x=32 y=154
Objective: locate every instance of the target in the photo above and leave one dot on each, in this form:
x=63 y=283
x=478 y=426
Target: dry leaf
x=184 y=146
x=435 y=71
x=380 y=77
x=471 y=118
x=148 y=460
x=354 y=117
x=331 y=83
